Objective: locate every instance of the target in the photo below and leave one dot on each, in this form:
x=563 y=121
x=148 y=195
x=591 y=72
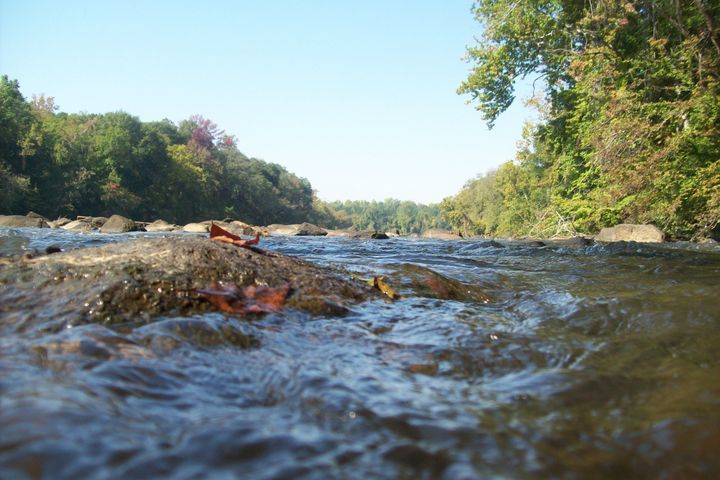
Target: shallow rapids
x=499 y=360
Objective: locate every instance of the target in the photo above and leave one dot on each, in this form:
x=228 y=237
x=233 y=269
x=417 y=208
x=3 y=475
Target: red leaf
x=230 y=298
x=221 y=235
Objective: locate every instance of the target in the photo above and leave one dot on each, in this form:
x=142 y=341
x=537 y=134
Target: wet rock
x=416 y=280
x=369 y=235
x=20 y=221
x=310 y=230
x=492 y=244
x=340 y=233
x=573 y=242
x=196 y=228
x=631 y=233
x=159 y=226
x=302 y=229
x=95 y=222
x=241 y=228
x=707 y=241
x=439 y=234
x=78 y=226
x=531 y=243
x=138 y=281
x=118 y=224
x=60 y=222
x=481 y=244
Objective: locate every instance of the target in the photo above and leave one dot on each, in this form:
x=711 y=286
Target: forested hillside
x=630 y=117
x=92 y=164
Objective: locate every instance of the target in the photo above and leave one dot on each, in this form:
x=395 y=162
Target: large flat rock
x=626 y=232
x=21 y=221
x=138 y=281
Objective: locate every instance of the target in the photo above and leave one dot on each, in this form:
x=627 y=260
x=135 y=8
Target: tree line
x=99 y=164
x=630 y=117
x=62 y=164
x=404 y=217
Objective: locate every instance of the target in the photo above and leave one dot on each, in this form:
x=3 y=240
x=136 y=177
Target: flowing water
x=512 y=361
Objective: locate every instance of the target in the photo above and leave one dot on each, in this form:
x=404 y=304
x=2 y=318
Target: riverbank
x=118 y=224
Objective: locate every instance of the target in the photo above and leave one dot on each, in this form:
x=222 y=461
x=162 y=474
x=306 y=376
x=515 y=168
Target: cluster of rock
x=120 y=224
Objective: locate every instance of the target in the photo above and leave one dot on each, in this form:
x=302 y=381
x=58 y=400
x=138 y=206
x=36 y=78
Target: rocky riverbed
x=491 y=358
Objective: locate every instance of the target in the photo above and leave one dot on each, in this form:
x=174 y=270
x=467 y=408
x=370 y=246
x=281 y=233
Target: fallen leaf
x=219 y=234
x=230 y=298
x=382 y=285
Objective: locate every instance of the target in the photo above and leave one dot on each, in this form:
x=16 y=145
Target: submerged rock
x=631 y=233
x=138 y=281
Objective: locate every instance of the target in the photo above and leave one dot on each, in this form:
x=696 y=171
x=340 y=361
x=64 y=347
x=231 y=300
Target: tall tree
x=633 y=96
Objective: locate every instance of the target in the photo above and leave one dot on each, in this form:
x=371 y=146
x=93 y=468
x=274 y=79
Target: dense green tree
x=632 y=103
x=388 y=215
x=68 y=164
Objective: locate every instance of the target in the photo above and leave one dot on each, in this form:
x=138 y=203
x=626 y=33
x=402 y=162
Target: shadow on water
x=497 y=360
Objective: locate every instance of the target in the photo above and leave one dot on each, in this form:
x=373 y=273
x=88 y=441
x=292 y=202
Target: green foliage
x=632 y=116
x=68 y=164
x=404 y=216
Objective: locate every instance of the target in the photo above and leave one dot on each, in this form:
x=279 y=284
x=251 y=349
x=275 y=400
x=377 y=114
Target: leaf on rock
x=219 y=234
x=384 y=287
x=230 y=298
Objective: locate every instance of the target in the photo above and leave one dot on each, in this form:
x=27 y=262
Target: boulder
x=36 y=215
x=572 y=242
x=340 y=233
x=159 y=226
x=248 y=229
x=440 y=234
x=141 y=281
x=78 y=226
x=302 y=229
x=95 y=222
x=21 y=221
x=60 y=222
x=310 y=230
x=239 y=228
x=369 y=235
x=118 y=224
x=631 y=233
x=196 y=228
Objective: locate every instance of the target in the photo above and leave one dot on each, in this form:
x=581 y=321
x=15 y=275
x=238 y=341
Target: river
x=600 y=361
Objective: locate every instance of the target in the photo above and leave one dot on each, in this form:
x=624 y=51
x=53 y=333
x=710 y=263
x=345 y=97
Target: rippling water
x=599 y=361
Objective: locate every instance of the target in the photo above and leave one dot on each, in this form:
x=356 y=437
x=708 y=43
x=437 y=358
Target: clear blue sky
x=356 y=96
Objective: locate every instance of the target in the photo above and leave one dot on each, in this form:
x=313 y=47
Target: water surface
x=599 y=361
